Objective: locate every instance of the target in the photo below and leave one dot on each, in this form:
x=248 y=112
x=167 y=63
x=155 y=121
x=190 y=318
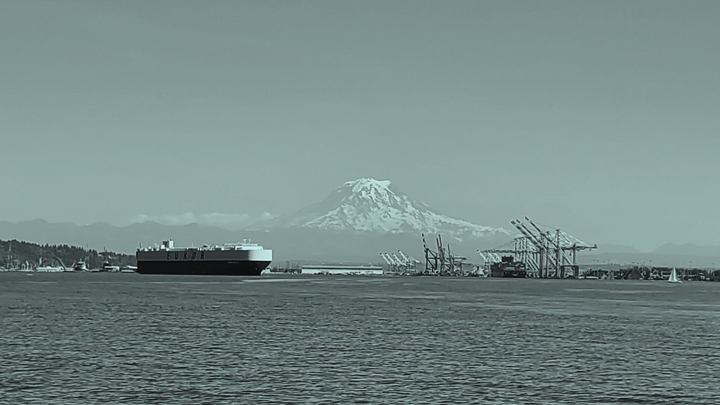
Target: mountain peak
x=366 y=183
x=374 y=206
x=367 y=194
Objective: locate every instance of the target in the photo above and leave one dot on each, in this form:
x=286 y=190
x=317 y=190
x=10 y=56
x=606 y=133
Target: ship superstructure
x=238 y=259
x=508 y=267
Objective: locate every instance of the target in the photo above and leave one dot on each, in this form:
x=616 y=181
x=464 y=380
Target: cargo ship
x=508 y=267
x=232 y=259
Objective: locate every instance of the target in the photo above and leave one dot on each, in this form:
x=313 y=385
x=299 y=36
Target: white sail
x=673 y=277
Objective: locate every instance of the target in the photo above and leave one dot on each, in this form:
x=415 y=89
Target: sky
x=599 y=118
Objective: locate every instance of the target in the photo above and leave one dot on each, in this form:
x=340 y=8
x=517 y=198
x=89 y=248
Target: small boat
x=49 y=269
x=128 y=269
x=673 y=277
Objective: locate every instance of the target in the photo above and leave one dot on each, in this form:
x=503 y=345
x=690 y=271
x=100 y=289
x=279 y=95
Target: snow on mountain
x=377 y=207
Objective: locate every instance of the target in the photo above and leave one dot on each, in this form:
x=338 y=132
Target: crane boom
x=397 y=260
x=483 y=256
x=520 y=227
x=543 y=234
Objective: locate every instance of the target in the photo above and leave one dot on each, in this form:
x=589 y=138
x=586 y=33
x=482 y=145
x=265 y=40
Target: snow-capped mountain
x=376 y=206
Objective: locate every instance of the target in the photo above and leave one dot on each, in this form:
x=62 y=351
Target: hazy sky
x=598 y=117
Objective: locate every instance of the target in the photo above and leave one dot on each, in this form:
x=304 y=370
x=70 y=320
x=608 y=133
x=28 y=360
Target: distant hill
x=689 y=249
x=355 y=223
x=612 y=248
x=650 y=259
x=307 y=244
x=296 y=244
x=16 y=254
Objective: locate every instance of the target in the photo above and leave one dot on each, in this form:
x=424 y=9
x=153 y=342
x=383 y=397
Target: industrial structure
x=400 y=263
x=442 y=262
x=544 y=253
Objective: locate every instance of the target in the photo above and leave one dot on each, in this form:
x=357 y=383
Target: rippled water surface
x=135 y=339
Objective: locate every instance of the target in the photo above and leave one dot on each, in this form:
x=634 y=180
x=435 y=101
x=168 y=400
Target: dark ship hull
x=508 y=268
x=509 y=273
x=218 y=268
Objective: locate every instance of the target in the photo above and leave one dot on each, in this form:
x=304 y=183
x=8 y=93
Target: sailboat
x=673 y=277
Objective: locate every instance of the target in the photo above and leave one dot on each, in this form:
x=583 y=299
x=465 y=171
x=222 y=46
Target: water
x=137 y=339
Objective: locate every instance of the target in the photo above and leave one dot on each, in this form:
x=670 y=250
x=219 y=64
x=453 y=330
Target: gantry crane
x=442 y=261
x=398 y=264
x=543 y=251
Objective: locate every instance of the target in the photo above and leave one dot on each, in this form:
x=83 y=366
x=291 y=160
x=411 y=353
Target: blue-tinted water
x=136 y=339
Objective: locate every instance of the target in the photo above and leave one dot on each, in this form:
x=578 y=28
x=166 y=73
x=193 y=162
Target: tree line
x=18 y=253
